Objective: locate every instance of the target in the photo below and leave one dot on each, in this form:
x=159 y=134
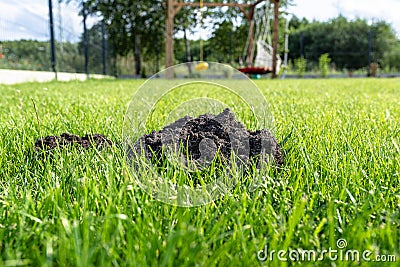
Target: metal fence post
x=52 y=41
x=85 y=39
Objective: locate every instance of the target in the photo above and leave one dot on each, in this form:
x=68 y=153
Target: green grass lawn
x=340 y=180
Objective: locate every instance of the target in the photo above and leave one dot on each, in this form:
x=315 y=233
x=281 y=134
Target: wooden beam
x=275 y=36
x=240 y=6
x=174 y=7
x=247 y=15
x=177 y=9
x=250 y=48
x=257 y=2
x=197 y=4
x=178 y=5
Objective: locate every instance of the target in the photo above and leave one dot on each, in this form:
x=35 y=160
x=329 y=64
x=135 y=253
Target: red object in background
x=2 y=56
x=255 y=70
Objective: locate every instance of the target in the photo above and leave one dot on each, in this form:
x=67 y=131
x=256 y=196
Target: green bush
x=301 y=64
x=324 y=61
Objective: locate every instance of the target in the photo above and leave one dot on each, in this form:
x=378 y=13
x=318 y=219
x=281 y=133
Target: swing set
x=263 y=60
x=259 y=30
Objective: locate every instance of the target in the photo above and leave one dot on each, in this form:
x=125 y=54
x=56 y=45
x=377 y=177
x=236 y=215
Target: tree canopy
x=348 y=42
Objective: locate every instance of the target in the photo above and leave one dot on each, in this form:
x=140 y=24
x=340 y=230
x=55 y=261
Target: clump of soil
x=68 y=140
x=203 y=136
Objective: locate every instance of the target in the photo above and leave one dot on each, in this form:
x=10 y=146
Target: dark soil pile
x=68 y=140
x=203 y=136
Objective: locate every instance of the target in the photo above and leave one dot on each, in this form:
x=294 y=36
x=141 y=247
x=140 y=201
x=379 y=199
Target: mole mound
x=202 y=137
x=66 y=139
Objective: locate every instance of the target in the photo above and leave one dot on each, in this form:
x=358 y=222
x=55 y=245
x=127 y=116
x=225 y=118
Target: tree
x=323 y=63
x=227 y=41
x=133 y=25
x=345 y=41
x=96 y=50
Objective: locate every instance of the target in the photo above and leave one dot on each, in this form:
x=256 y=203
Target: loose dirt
x=203 y=136
x=66 y=140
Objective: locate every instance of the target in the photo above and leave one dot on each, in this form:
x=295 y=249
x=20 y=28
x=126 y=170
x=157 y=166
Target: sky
x=28 y=19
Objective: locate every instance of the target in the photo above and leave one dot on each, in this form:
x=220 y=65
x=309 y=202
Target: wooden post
x=169 y=38
x=250 y=48
x=85 y=39
x=275 y=39
x=52 y=40
x=173 y=8
x=250 y=18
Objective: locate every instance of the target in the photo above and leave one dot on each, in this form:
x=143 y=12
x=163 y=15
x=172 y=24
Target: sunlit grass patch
x=340 y=179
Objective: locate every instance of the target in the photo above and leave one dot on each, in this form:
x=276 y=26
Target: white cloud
x=15 y=23
x=24 y=19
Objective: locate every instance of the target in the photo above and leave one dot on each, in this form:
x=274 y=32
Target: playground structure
x=264 y=62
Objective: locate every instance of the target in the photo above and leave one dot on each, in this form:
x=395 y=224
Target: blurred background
x=127 y=38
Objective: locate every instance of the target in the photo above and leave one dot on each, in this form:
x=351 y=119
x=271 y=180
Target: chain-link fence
x=25 y=38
